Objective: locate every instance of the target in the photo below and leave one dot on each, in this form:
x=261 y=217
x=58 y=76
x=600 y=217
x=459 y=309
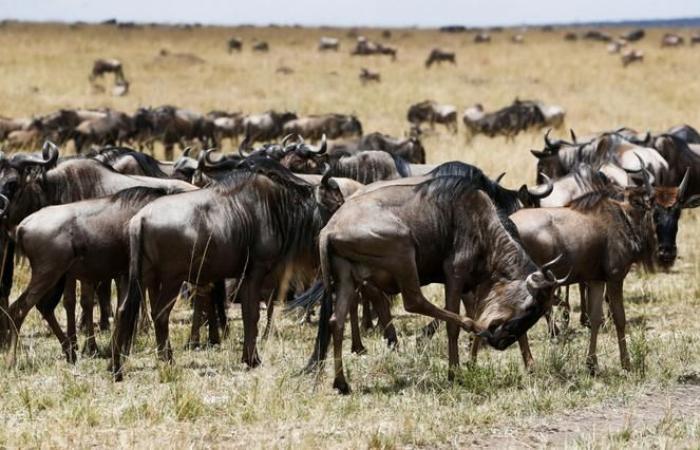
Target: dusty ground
x=401 y=399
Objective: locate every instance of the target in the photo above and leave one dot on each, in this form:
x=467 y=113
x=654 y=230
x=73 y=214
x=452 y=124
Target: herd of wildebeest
x=342 y=225
x=327 y=227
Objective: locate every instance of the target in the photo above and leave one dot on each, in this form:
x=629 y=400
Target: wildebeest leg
x=382 y=306
x=7 y=263
x=367 y=323
x=345 y=296
x=270 y=304
x=69 y=305
x=250 y=309
x=476 y=342
x=615 y=296
x=525 y=351
x=169 y=154
x=199 y=301
x=44 y=291
x=212 y=320
x=356 y=339
x=453 y=291
x=104 y=296
x=87 y=303
x=596 y=291
x=160 y=313
x=584 y=294
x=430 y=329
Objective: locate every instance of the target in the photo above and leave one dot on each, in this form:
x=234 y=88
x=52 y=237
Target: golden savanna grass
x=402 y=398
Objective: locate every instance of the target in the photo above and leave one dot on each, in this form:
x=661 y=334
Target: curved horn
x=288 y=137
x=208 y=160
x=326 y=174
x=645 y=174
x=186 y=152
x=542 y=192
x=552 y=262
x=244 y=145
x=201 y=160
x=547 y=142
x=560 y=281
x=48 y=159
x=684 y=184
x=573 y=135
x=500 y=177
x=324 y=146
x=5 y=203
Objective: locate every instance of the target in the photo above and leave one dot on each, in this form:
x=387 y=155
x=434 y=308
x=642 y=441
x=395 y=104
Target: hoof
x=359 y=350
x=90 y=348
x=342 y=386
x=118 y=377
x=252 y=362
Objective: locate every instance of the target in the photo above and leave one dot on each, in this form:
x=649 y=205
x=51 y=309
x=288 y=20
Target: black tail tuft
x=323 y=337
x=307 y=299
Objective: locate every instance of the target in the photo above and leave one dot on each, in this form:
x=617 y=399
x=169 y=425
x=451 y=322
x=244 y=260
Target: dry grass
x=401 y=399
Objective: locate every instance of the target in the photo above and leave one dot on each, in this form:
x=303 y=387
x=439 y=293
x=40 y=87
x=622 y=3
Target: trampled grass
x=401 y=398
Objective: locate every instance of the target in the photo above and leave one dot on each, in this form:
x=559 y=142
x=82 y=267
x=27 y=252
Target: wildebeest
x=616 y=46
x=513 y=119
x=328 y=43
x=398 y=237
x=266 y=126
x=571 y=36
x=367 y=75
x=333 y=126
x=410 y=149
x=261 y=46
x=234 y=44
x=132 y=162
x=672 y=40
x=172 y=125
x=600 y=238
x=634 y=35
x=363 y=46
x=433 y=112
x=259 y=226
x=686 y=133
x=32 y=182
x=439 y=56
x=482 y=38
x=103 y=66
x=632 y=55
x=596 y=35
x=695 y=39
x=114 y=128
x=85 y=241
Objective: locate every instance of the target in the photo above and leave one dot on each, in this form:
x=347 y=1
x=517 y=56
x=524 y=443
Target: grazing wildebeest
x=632 y=55
x=328 y=43
x=433 y=112
x=634 y=35
x=600 y=239
x=672 y=40
x=85 y=241
x=695 y=39
x=226 y=125
x=172 y=125
x=266 y=126
x=234 y=44
x=571 y=36
x=261 y=46
x=439 y=56
x=513 y=119
x=103 y=66
x=367 y=75
x=259 y=226
x=482 y=38
x=397 y=238
x=32 y=182
x=333 y=126
x=680 y=157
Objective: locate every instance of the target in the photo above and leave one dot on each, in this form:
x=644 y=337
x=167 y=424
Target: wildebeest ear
x=524 y=195
x=692 y=202
x=539 y=154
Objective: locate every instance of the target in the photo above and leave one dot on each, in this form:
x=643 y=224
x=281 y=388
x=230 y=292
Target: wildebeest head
x=22 y=179
x=301 y=158
x=540 y=286
x=668 y=203
x=548 y=161
x=328 y=195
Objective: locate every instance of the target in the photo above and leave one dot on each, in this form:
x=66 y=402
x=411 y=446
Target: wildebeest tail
x=323 y=335
x=307 y=299
x=127 y=318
